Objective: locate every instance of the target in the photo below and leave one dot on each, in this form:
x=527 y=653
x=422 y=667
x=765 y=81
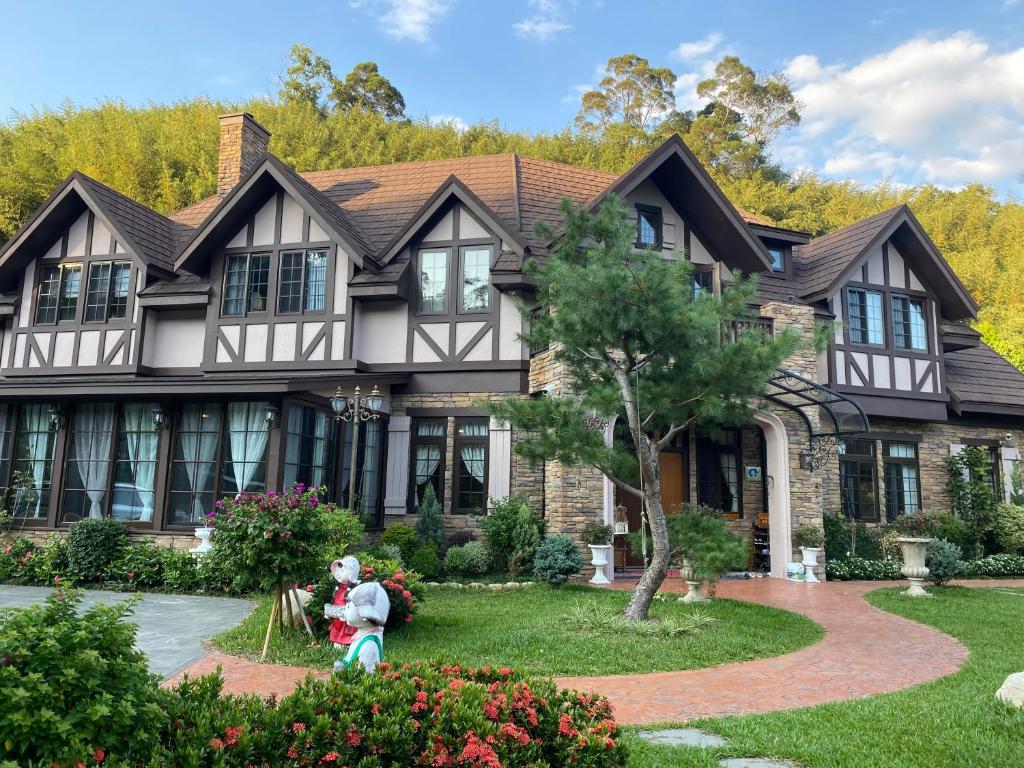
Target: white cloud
x=547 y=21
x=453 y=120
x=697 y=48
x=947 y=110
x=407 y=19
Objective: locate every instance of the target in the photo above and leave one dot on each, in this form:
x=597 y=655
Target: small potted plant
x=810 y=541
x=599 y=538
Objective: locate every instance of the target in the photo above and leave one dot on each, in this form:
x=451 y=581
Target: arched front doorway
x=779 y=513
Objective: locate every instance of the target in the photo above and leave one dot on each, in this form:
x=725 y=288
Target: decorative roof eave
x=58 y=202
x=746 y=251
x=450 y=188
x=328 y=215
x=957 y=302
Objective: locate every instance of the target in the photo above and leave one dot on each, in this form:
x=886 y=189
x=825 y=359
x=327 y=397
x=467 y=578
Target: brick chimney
x=243 y=144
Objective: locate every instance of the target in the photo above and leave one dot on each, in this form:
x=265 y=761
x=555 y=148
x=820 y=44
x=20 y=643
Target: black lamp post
x=357 y=409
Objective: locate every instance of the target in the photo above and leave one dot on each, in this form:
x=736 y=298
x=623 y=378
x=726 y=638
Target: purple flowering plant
x=266 y=539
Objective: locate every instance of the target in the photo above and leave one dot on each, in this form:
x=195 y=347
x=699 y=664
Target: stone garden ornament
x=367 y=610
x=914 y=550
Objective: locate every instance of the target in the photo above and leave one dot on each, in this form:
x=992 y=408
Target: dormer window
x=648 y=227
x=246 y=279
x=778 y=259
x=57 y=300
x=909 y=328
x=433 y=282
x=303 y=284
x=106 y=294
x=476 y=280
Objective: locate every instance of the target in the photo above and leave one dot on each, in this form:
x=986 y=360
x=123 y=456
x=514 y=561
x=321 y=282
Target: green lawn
x=525 y=628
x=951 y=723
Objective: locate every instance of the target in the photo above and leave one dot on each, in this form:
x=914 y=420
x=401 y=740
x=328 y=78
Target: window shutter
x=500 y=456
x=396 y=484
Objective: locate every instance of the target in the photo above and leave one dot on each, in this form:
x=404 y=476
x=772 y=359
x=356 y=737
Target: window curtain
x=36 y=428
x=730 y=500
x=427 y=459
x=141 y=439
x=909 y=489
x=199 y=455
x=248 y=434
x=94 y=427
x=473 y=458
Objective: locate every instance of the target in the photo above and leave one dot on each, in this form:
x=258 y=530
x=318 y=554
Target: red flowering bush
x=265 y=539
x=404 y=587
x=410 y=715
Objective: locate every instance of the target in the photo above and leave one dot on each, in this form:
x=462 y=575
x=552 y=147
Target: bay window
x=57 y=294
x=909 y=328
x=857 y=483
x=428 y=459
x=303 y=281
x=864 y=316
x=471 y=443
x=433 y=282
x=902 y=484
x=246 y=281
x=106 y=294
x=476 y=280
x=718 y=472
x=309 y=447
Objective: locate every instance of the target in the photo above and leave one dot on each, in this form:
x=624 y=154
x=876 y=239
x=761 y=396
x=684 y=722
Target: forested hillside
x=166 y=157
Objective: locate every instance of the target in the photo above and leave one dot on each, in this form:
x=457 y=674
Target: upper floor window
x=433 y=282
x=648 y=226
x=703 y=282
x=909 y=329
x=57 y=300
x=864 y=316
x=475 y=280
x=778 y=259
x=303 y=282
x=106 y=294
x=246 y=280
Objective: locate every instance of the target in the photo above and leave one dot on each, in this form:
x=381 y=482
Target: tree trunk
x=654 y=575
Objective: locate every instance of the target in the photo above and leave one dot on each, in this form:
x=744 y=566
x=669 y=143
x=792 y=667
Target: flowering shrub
x=859 y=569
x=266 y=539
x=410 y=715
x=993 y=567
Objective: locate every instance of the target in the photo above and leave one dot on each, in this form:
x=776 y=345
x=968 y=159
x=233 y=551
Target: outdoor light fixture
x=56 y=417
x=159 y=417
x=271 y=417
x=356 y=409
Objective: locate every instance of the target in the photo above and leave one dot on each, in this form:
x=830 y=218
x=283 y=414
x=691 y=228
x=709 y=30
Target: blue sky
x=909 y=91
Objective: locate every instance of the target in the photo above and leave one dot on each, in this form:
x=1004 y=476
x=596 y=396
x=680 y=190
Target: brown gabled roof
x=980 y=378
x=821 y=261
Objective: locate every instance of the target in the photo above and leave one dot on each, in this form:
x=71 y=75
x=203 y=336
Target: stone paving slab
x=172 y=628
x=683 y=737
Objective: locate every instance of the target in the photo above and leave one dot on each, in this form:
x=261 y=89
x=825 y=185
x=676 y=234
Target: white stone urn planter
x=810 y=560
x=693 y=592
x=599 y=559
x=914 y=569
x=203 y=534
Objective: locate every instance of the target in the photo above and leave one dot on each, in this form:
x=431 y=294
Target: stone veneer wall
x=243 y=145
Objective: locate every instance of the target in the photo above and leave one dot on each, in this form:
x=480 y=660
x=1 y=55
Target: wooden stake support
x=275 y=611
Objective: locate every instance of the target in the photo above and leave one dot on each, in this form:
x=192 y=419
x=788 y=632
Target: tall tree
x=664 y=371
x=367 y=89
x=764 y=103
x=307 y=79
x=632 y=93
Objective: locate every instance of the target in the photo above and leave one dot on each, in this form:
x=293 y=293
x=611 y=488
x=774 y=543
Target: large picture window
x=32 y=468
x=106 y=295
x=57 y=296
x=433 y=282
x=428 y=459
x=471 y=439
x=476 y=280
x=303 y=282
x=857 y=482
x=87 y=484
x=246 y=281
x=864 y=316
x=902 y=485
x=909 y=328
x=194 y=462
x=309 y=447
x=718 y=472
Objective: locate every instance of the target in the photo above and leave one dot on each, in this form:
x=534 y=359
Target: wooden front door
x=674 y=491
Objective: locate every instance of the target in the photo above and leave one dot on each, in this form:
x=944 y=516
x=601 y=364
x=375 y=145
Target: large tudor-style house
x=151 y=364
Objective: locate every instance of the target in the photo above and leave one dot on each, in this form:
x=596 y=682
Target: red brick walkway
x=865 y=651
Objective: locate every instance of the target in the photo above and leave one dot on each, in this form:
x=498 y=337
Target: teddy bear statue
x=367 y=610
x=346 y=572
